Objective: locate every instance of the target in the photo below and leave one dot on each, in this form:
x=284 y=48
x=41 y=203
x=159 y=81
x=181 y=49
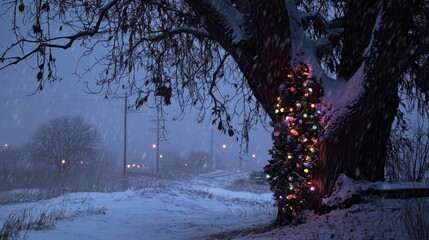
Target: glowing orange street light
x=153 y=145
x=224 y=146
x=253 y=155
x=63 y=161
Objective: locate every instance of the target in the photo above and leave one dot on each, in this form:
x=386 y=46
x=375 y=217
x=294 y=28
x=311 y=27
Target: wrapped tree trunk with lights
x=327 y=73
x=296 y=135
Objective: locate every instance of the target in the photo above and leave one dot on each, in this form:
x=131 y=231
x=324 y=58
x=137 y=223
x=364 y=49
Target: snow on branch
x=339 y=98
x=304 y=49
x=305 y=16
x=198 y=32
x=332 y=38
x=231 y=17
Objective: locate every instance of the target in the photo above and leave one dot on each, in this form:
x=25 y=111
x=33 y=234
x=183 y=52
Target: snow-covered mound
x=356 y=211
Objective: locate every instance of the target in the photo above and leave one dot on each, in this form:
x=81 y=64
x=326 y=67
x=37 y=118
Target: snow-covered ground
x=203 y=207
x=162 y=209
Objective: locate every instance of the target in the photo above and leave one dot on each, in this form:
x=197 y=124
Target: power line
x=65 y=97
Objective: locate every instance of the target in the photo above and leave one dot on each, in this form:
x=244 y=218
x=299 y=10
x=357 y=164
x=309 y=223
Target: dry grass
x=43 y=217
x=415 y=217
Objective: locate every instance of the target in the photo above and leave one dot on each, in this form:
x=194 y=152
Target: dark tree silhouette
x=363 y=53
x=10 y=159
x=64 y=143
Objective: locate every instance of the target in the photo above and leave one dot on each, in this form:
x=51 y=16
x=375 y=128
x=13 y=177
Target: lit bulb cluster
x=296 y=135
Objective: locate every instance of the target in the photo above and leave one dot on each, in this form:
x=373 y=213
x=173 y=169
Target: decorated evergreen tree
x=296 y=134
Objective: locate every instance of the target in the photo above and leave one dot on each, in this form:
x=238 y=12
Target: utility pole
x=126 y=111
x=157 y=139
x=125 y=133
x=158 y=135
x=125 y=130
x=211 y=146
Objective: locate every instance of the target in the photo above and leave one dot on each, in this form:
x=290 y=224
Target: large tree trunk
x=359 y=146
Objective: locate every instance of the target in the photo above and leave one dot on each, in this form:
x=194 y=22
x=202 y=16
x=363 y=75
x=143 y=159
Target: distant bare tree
x=64 y=142
x=198 y=160
x=9 y=159
x=408 y=156
x=416 y=155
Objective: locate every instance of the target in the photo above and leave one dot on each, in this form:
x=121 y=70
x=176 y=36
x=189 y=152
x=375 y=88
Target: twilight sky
x=21 y=114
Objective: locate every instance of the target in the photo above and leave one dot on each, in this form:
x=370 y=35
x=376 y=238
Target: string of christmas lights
x=296 y=134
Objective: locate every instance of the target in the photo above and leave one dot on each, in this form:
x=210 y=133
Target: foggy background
x=22 y=112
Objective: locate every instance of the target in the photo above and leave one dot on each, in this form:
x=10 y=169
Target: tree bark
x=359 y=19
x=359 y=147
